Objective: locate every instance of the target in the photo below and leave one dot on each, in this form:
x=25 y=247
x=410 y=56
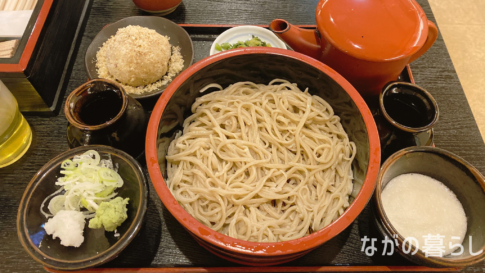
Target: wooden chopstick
x=20 y=5
x=28 y=4
x=9 y=44
x=2 y=4
x=7 y=49
x=11 y=4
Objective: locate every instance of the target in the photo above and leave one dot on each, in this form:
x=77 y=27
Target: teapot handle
x=432 y=36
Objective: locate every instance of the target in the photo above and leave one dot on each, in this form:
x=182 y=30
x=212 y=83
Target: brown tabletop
x=163 y=242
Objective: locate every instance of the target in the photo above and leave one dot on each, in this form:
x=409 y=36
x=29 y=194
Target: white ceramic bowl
x=243 y=33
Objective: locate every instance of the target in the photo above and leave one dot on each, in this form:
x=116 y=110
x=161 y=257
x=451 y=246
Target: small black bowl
x=406 y=116
x=178 y=37
x=99 y=246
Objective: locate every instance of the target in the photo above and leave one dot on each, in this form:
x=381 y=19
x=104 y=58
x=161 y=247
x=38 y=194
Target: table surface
x=162 y=241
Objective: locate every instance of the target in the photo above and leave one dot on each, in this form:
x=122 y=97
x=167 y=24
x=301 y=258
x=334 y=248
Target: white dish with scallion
x=244 y=36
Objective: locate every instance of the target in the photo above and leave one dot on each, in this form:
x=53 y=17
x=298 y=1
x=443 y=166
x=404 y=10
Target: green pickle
x=255 y=41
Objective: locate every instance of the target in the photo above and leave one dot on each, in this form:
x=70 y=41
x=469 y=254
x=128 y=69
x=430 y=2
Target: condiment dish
x=99 y=246
x=466 y=182
x=178 y=37
x=244 y=33
x=161 y=8
x=86 y=109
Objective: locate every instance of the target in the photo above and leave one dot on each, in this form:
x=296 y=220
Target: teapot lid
x=375 y=30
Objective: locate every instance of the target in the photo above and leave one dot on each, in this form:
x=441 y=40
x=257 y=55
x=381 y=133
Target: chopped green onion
x=87 y=182
x=57 y=204
x=68 y=165
x=107 y=191
x=86 y=205
x=108 y=175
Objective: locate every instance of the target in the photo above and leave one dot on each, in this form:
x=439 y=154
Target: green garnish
x=255 y=41
x=226 y=46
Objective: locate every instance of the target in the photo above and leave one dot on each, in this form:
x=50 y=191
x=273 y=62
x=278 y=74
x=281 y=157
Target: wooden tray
x=38 y=73
x=163 y=245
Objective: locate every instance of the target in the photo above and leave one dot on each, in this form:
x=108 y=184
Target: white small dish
x=244 y=33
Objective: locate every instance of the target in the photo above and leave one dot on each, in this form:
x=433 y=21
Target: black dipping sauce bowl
x=99 y=246
x=466 y=182
x=406 y=117
x=408 y=107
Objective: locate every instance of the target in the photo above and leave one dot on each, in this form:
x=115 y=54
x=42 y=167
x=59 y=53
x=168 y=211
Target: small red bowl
x=261 y=65
x=158 y=7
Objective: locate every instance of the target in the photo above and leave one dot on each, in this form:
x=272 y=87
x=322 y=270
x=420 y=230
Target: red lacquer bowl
x=261 y=65
x=158 y=7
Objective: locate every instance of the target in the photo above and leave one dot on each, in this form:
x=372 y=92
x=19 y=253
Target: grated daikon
x=418 y=205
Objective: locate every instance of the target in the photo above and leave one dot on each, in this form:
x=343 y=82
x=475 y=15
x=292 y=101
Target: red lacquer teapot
x=369 y=42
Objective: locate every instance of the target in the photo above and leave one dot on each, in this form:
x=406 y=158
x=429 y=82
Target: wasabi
x=110 y=215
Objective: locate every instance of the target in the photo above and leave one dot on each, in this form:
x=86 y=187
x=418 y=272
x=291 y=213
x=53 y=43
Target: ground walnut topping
x=143 y=63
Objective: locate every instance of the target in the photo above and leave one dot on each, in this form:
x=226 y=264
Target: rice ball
x=138 y=56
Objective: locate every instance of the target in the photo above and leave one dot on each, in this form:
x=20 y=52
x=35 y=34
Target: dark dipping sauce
x=100 y=107
x=406 y=109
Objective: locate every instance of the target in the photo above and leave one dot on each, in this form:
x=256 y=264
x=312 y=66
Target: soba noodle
x=263 y=163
